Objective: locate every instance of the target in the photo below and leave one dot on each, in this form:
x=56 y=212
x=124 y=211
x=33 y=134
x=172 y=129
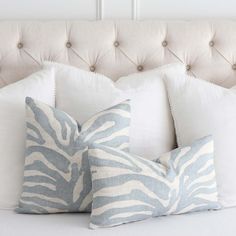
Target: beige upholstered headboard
x=116 y=48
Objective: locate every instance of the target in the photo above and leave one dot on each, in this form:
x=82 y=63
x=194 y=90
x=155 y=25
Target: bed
x=215 y=223
x=117 y=48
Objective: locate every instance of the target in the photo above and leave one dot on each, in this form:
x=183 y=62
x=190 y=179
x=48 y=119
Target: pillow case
x=200 y=108
x=129 y=188
x=40 y=85
x=56 y=174
x=92 y=92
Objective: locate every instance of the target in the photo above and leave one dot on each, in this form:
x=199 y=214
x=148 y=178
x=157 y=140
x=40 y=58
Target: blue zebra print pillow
x=129 y=188
x=56 y=174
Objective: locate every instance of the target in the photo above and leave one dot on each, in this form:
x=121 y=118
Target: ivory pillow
x=129 y=188
x=40 y=85
x=200 y=108
x=82 y=94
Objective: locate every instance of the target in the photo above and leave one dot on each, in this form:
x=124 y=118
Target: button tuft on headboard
x=68 y=45
x=188 y=67
x=211 y=43
x=20 y=45
x=164 y=43
x=116 y=44
x=92 y=68
x=140 y=68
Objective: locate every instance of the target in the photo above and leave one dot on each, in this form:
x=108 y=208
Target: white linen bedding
x=216 y=223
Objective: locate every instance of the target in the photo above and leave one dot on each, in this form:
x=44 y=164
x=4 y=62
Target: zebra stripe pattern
x=56 y=173
x=129 y=188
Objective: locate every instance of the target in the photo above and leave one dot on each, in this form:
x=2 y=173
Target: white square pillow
x=82 y=94
x=40 y=85
x=201 y=108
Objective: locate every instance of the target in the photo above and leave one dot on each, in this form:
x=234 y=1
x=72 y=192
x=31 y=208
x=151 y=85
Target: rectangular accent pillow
x=56 y=174
x=200 y=108
x=40 y=85
x=129 y=188
x=90 y=93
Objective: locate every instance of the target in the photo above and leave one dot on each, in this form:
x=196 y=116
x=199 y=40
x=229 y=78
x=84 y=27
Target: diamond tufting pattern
x=118 y=48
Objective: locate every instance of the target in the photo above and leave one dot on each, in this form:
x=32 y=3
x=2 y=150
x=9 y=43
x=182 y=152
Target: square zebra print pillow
x=129 y=188
x=56 y=174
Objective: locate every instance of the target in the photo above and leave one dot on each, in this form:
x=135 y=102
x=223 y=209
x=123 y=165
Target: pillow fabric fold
x=56 y=173
x=129 y=188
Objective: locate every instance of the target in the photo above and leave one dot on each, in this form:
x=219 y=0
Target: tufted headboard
x=117 y=48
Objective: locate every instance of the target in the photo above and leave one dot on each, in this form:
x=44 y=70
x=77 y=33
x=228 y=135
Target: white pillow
x=201 y=108
x=82 y=94
x=40 y=85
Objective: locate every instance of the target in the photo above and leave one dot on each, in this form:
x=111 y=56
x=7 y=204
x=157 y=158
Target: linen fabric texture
x=56 y=174
x=129 y=188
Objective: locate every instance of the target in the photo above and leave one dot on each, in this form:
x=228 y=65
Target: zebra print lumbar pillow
x=56 y=174
x=129 y=188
